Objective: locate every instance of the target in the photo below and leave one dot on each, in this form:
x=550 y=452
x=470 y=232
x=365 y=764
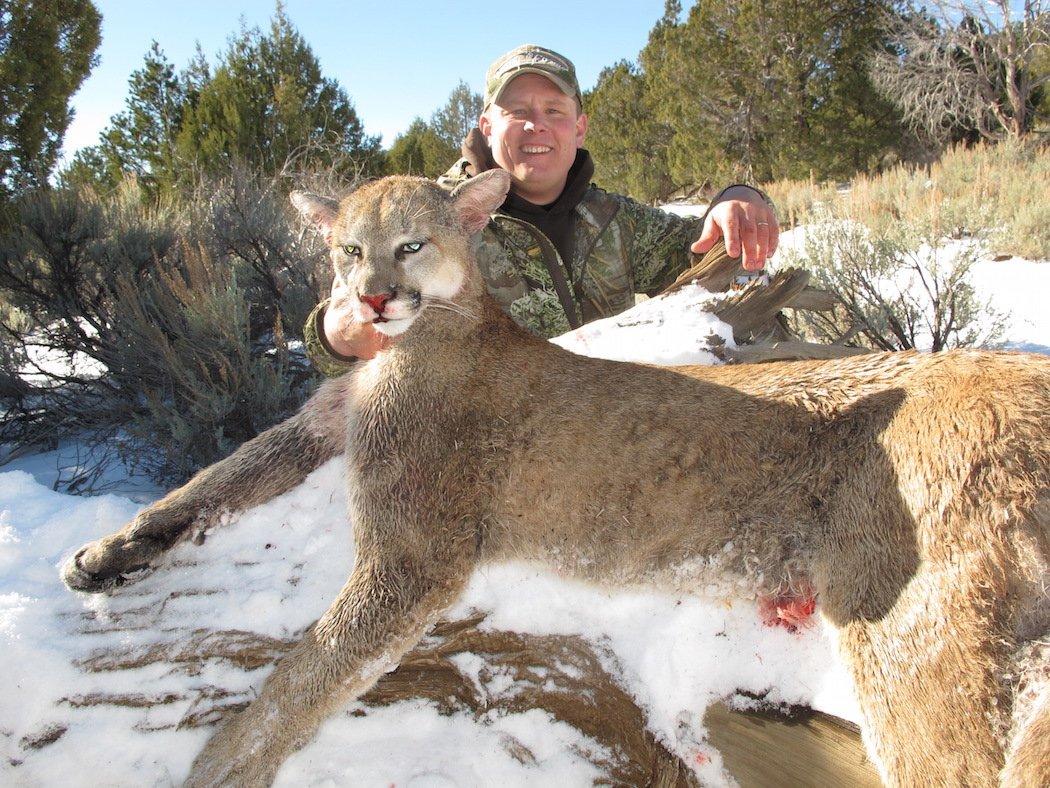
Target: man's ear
x=474 y=201
x=581 y=129
x=318 y=211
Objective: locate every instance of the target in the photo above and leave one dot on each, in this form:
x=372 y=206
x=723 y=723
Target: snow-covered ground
x=272 y=570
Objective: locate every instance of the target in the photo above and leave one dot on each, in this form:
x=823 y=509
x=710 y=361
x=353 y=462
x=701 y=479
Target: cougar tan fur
x=910 y=491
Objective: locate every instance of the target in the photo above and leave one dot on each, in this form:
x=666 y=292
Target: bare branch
x=967 y=68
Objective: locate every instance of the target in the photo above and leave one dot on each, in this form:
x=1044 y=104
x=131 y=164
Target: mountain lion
x=911 y=492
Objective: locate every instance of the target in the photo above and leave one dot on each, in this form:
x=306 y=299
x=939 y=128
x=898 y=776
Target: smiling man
x=560 y=251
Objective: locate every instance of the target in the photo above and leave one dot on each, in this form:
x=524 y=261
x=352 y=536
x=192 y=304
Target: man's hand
x=345 y=335
x=747 y=223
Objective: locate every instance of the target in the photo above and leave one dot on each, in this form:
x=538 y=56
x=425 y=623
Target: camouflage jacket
x=621 y=248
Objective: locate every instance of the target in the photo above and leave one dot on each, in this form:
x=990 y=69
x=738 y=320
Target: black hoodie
x=558 y=219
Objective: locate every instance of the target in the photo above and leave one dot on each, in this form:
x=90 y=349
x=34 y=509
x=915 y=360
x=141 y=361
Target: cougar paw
x=108 y=563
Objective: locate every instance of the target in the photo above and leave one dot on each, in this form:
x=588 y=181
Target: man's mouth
x=536 y=148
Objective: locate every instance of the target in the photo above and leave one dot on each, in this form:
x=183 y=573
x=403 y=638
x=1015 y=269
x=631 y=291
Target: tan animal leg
x=383 y=610
x=1028 y=759
x=915 y=575
x=273 y=462
x=928 y=684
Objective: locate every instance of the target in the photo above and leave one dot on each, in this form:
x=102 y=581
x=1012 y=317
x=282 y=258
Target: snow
x=640 y=334
x=1019 y=288
x=270 y=571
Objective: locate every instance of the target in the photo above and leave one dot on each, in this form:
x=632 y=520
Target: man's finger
x=774 y=236
x=762 y=242
x=731 y=232
x=749 y=243
x=707 y=237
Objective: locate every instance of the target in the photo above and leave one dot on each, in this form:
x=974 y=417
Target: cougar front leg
x=271 y=463
x=383 y=610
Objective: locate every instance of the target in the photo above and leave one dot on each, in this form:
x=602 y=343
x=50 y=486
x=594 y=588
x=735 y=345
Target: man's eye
x=351 y=250
x=412 y=247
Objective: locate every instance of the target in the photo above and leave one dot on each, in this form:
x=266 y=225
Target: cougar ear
x=318 y=211
x=474 y=201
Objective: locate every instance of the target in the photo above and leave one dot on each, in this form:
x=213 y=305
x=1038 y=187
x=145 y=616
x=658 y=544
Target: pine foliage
x=264 y=104
x=749 y=90
x=46 y=52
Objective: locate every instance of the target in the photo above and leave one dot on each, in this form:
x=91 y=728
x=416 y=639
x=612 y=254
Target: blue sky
x=396 y=59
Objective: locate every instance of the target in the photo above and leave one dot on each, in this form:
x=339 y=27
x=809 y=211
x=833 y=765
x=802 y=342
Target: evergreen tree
x=46 y=52
x=267 y=102
x=769 y=88
x=141 y=139
x=420 y=150
x=628 y=145
x=460 y=114
x=968 y=71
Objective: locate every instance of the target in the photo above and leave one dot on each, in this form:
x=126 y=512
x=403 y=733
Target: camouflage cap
x=531 y=59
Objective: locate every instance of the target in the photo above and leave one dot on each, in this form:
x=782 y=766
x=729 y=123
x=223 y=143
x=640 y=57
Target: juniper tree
x=46 y=52
x=768 y=88
x=628 y=144
x=452 y=122
x=420 y=150
x=968 y=66
x=266 y=102
x=140 y=140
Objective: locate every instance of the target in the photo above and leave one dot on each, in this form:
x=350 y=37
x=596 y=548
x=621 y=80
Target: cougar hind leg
x=271 y=463
x=928 y=676
x=921 y=581
x=1028 y=750
x=1028 y=753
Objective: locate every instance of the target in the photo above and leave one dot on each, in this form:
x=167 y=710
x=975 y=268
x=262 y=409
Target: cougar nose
x=377 y=301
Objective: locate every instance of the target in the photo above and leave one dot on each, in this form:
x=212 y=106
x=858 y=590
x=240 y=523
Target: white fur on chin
x=394 y=327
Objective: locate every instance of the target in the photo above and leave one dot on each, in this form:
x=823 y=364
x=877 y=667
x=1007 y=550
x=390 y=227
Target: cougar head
x=400 y=244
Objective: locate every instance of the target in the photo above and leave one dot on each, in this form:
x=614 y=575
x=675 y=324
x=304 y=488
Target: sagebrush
x=159 y=330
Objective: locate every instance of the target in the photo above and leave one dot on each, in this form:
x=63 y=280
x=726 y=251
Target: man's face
x=534 y=130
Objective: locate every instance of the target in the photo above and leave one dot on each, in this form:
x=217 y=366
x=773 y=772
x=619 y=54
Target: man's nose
x=533 y=124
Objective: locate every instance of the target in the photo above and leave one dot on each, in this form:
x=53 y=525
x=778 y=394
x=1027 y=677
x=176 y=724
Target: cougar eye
x=351 y=251
x=412 y=247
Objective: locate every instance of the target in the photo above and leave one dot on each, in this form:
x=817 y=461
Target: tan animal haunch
x=911 y=492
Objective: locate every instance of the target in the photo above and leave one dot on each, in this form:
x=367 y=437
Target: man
x=561 y=252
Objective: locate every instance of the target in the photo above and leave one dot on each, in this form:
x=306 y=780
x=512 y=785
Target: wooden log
x=714 y=271
x=805 y=748
x=814 y=299
x=788 y=351
x=755 y=308
x=564 y=675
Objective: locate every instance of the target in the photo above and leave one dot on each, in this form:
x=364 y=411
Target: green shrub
x=898 y=287
x=164 y=325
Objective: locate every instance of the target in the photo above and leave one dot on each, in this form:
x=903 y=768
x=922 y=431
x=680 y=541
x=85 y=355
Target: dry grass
x=994 y=192
x=797 y=200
